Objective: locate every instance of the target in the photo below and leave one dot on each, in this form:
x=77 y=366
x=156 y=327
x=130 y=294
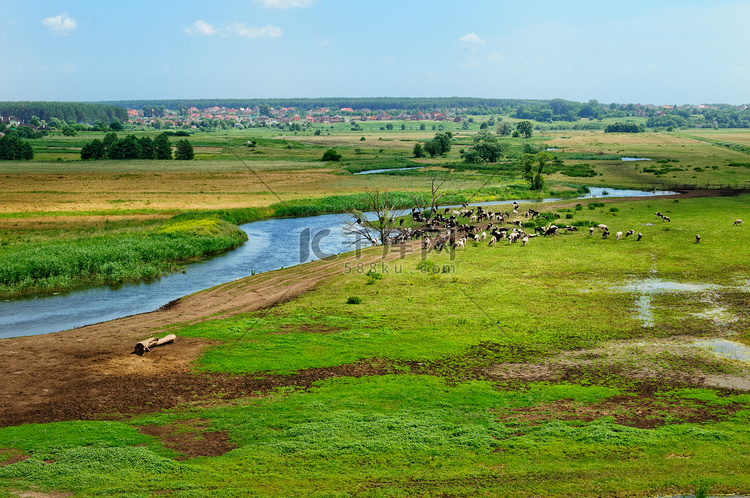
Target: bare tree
x=437 y=181
x=384 y=222
x=431 y=199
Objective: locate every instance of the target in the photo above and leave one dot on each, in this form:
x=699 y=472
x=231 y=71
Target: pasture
x=501 y=370
x=571 y=366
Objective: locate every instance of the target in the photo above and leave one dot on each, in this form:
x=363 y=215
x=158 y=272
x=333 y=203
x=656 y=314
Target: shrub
x=613 y=210
x=331 y=155
x=354 y=300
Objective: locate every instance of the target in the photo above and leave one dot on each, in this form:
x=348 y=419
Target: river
x=271 y=244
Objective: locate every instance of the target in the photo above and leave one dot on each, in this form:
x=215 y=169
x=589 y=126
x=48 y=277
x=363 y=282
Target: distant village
x=255 y=116
x=159 y=116
x=286 y=115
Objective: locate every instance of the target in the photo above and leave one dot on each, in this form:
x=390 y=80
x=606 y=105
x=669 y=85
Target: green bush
x=354 y=300
x=331 y=155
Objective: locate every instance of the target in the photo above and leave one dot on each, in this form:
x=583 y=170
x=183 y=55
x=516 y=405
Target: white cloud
x=200 y=28
x=60 y=25
x=240 y=29
x=68 y=67
x=390 y=59
x=471 y=42
x=326 y=42
x=284 y=4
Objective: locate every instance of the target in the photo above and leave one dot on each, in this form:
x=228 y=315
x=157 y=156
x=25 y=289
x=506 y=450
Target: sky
x=636 y=51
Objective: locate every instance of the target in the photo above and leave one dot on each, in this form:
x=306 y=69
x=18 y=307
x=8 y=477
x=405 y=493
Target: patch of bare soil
x=11 y=456
x=39 y=494
x=190 y=438
x=89 y=373
x=670 y=362
x=634 y=411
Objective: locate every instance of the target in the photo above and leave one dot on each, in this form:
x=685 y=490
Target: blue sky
x=657 y=51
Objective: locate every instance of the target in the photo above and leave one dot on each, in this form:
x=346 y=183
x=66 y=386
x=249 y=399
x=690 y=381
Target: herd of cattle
x=444 y=230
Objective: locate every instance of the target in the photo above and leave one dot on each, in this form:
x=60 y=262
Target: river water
x=271 y=244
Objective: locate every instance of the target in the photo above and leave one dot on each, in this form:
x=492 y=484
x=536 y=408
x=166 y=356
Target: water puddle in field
x=725 y=348
x=720 y=316
x=657 y=285
x=646 y=288
x=375 y=171
x=635 y=158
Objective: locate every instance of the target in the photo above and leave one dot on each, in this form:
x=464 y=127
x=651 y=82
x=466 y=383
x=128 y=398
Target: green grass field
x=508 y=371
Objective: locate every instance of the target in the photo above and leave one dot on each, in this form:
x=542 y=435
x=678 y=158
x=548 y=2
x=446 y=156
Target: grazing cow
x=629 y=233
x=640 y=236
x=492 y=241
x=524 y=240
x=591 y=231
x=698 y=239
x=666 y=218
x=618 y=235
x=737 y=222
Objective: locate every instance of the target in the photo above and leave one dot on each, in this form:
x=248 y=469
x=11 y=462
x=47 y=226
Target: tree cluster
x=12 y=147
x=439 y=145
x=624 y=128
x=485 y=149
x=525 y=128
x=132 y=147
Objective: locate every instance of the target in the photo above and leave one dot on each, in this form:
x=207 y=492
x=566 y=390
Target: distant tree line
x=75 y=112
x=132 y=147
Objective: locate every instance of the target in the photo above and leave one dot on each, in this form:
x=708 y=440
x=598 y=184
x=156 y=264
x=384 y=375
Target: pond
x=271 y=244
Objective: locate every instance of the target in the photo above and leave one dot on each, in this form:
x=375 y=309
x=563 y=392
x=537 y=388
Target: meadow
x=569 y=367
x=507 y=371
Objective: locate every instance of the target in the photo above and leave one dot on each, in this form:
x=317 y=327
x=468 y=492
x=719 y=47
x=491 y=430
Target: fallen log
x=145 y=345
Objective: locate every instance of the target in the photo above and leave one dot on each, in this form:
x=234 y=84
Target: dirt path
x=85 y=372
